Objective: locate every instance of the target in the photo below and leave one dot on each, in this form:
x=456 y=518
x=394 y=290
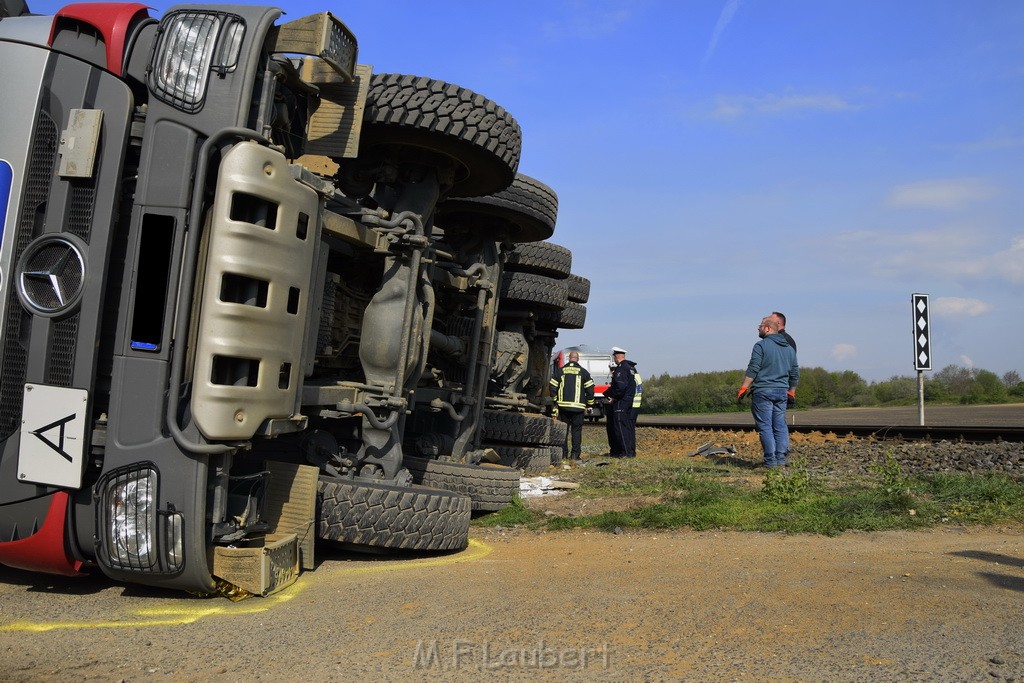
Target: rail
x=972 y=434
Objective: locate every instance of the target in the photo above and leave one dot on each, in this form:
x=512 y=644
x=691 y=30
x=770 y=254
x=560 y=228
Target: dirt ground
x=520 y=605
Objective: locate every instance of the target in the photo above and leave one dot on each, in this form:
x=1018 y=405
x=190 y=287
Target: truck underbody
x=232 y=257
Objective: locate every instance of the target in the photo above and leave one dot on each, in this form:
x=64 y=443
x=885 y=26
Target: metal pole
x=920 y=398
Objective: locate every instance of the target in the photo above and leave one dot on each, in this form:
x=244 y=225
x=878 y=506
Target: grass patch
x=980 y=499
x=794 y=500
x=513 y=514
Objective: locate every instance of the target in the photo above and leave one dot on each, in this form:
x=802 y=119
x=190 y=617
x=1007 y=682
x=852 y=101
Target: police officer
x=625 y=393
x=573 y=389
x=614 y=442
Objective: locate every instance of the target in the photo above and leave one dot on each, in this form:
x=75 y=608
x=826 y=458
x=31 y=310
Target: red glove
x=791 y=398
x=741 y=393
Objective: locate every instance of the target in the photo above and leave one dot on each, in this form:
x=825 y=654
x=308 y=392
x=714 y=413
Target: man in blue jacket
x=772 y=375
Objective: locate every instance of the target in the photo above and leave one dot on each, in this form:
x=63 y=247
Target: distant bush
x=714 y=392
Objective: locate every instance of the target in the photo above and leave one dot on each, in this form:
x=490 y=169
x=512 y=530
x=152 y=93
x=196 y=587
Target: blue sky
x=717 y=160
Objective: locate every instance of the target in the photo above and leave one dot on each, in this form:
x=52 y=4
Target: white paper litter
x=540 y=486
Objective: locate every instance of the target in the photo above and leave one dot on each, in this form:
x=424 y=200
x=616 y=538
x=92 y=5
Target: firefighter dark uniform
x=625 y=394
x=573 y=392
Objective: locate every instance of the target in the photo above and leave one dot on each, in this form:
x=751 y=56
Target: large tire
x=376 y=515
x=558 y=439
x=559 y=433
x=534 y=459
x=523 y=212
x=412 y=111
x=489 y=487
x=532 y=291
x=572 y=317
x=578 y=288
x=516 y=428
x=542 y=258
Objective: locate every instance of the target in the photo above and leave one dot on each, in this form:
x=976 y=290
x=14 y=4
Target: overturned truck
x=250 y=287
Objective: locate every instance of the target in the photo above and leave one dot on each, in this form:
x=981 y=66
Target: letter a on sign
x=922 y=333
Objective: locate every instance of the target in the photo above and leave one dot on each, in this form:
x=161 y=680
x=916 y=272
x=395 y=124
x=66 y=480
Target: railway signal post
x=922 y=347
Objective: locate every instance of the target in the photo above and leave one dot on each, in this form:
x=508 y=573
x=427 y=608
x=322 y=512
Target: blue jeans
x=768 y=407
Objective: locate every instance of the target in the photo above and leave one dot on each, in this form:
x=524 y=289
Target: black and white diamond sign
x=922 y=333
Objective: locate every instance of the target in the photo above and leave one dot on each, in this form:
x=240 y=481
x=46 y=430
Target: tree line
x=715 y=392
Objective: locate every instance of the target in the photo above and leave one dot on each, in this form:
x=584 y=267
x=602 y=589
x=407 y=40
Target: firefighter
x=625 y=394
x=573 y=389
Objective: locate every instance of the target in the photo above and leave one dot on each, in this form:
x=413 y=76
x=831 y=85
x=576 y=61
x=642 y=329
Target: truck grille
x=61 y=366
x=37 y=189
x=63 y=334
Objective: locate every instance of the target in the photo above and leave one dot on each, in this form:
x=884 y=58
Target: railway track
x=969 y=424
x=971 y=434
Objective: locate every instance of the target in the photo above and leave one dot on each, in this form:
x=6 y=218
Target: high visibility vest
x=638 y=395
x=571 y=389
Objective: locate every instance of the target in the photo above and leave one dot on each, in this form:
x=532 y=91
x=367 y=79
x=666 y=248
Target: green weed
x=788 y=487
x=794 y=501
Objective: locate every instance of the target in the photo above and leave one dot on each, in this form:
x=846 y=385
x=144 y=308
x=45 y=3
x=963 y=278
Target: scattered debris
x=544 y=486
x=708 y=450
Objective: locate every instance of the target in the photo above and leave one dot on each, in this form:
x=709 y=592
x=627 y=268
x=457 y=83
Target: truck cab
x=224 y=270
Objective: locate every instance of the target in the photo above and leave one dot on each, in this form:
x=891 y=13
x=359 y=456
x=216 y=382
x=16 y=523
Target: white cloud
x=774 y=105
x=844 y=352
x=967 y=361
x=954 y=193
x=728 y=12
x=1010 y=263
x=961 y=253
x=958 y=307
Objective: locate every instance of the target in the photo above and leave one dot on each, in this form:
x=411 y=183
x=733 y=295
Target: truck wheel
x=535 y=291
x=542 y=258
x=572 y=317
x=523 y=457
x=516 y=428
x=376 y=515
x=417 y=112
x=558 y=439
x=578 y=289
x=559 y=433
x=489 y=487
x=525 y=211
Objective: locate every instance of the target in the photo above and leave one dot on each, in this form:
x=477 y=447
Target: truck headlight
x=134 y=534
x=129 y=502
x=191 y=44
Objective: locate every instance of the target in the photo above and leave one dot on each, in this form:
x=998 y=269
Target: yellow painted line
x=179 y=615
x=476 y=550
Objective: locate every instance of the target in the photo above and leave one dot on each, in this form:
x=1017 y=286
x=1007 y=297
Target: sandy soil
x=518 y=605
x=521 y=605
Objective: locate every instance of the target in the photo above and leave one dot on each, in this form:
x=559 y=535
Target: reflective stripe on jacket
x=637 y=397
x=572 y=387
